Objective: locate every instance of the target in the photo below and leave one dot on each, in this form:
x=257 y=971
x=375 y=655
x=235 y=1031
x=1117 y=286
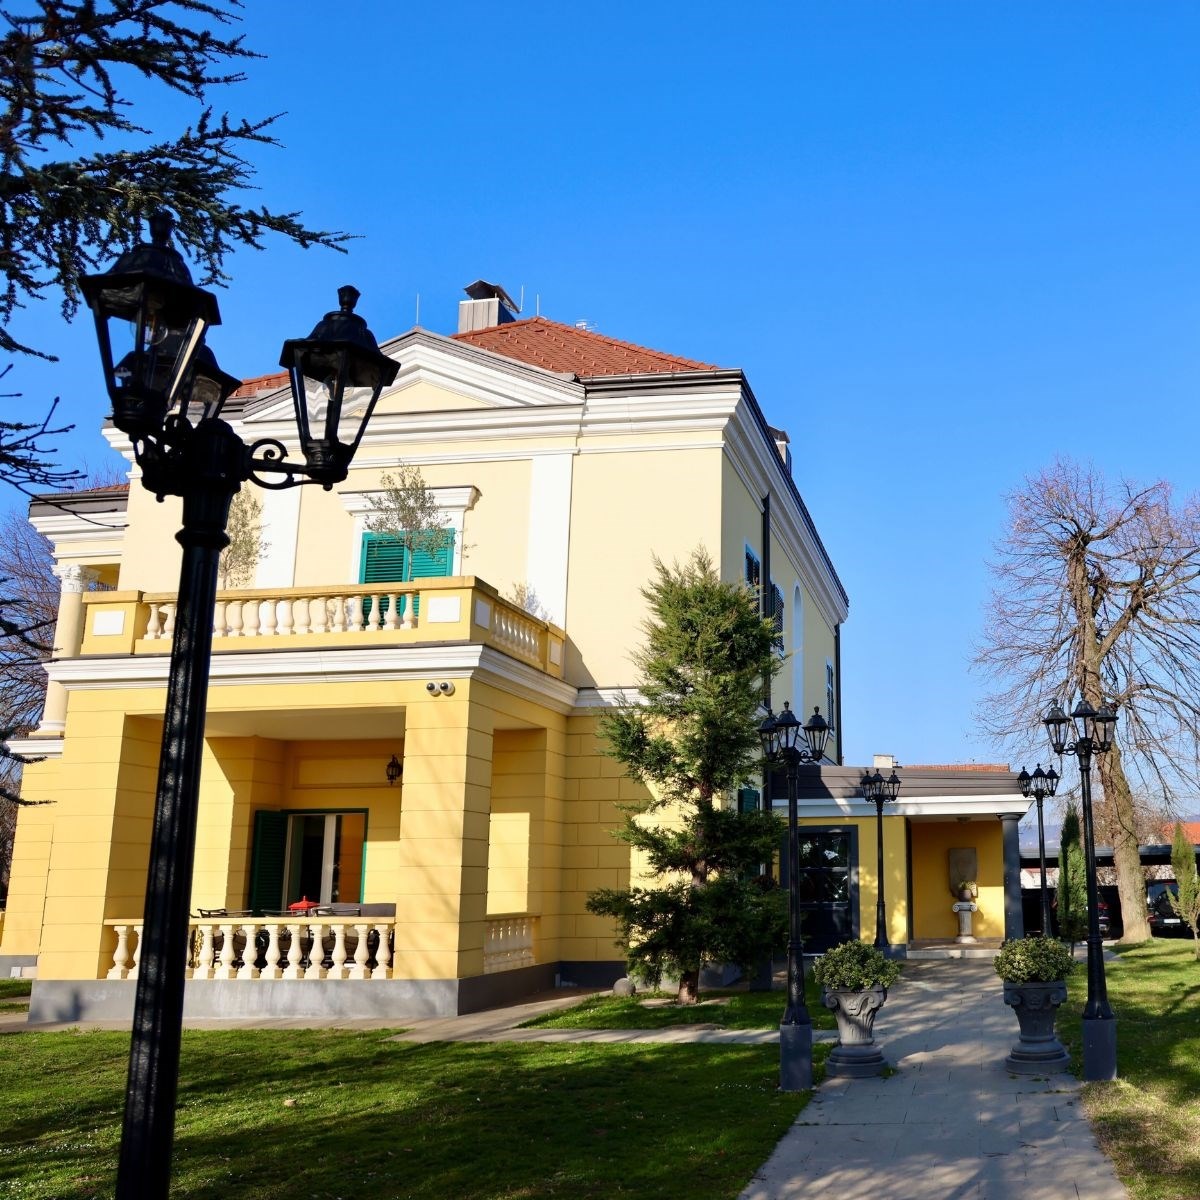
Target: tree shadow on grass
x=314 y=1113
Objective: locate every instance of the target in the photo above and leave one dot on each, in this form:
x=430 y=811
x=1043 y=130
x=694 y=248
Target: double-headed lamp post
x=167 y=391
x=781 y=738
x=1039 y=785
x=1093 y=730
x=880 y=791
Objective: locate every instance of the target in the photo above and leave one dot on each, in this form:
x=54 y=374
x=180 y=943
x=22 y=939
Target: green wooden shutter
x=747 y=800
x=266 y=860
x=435 y=564
x=382 y=559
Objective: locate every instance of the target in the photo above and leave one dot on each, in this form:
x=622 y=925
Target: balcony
x=461 y=611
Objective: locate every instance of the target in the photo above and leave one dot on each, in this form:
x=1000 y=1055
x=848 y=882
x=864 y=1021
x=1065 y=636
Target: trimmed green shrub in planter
x=1034 y=960
x=855 y=978
x=855 y=967
x=1034 y=970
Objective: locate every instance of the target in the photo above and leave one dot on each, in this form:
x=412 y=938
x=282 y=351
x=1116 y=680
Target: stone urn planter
x=1034 y=971
x=854 y=978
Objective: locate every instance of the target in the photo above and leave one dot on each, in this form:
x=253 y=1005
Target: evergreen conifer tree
x=1186 y=898
x=692 y=741
x=1072 y=881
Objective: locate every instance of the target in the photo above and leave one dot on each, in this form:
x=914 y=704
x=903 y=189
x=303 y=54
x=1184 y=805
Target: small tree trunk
x=689 y=987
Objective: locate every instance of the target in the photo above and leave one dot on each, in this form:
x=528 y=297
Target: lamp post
x=1093 y=731
x=1039 y=785
x=167 y=392
x=880 y=791
x=780 y=735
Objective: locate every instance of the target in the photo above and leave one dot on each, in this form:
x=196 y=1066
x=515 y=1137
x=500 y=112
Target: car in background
x=1164 y=920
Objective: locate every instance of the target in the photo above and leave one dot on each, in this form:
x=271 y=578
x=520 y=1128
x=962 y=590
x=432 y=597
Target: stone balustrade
x=350 y=947
x=446 y=611
x=509 y=943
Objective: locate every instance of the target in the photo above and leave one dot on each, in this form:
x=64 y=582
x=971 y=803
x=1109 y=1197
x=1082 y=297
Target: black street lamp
x=167 y=392
x=780 y=735
x=1039 y=785
x=1093 y=729
x=880 y=791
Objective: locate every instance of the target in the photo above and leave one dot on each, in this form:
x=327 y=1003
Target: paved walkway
x=952 y=1123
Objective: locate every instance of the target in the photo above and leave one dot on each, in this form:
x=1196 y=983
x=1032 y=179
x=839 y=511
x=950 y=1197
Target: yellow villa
x=401 y=765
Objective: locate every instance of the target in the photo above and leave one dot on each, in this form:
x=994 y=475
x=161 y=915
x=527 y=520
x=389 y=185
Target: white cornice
x=946 y=807
x=316 y=666
x=590 y=698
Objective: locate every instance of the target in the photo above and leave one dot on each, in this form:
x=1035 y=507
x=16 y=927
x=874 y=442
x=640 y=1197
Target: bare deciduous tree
x=1097 y=595
x=28 y=612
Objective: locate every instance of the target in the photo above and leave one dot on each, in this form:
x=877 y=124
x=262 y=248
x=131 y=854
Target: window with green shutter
x=266 y=860
x=385 y=559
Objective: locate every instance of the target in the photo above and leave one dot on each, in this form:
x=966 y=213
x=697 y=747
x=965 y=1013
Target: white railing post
x=316 y=953
x=271 y=968
x=361 y=955
x=120 y=967
x=248 y=970
x=383 y=952
x=295 y=953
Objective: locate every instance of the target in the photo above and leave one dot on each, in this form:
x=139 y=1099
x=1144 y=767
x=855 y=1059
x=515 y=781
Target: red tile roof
x=260 y=383
x=544 y=343
x=957 y=766
x=1191 y=830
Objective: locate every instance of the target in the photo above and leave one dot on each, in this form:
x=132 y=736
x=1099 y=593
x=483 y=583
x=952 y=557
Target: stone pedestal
x=964 y=909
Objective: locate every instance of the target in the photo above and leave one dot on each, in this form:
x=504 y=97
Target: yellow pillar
x=441 y=902
x=103 y=812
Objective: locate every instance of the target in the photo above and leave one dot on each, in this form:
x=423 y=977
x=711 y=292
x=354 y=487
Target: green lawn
x=322 y=1114
x=1148 y=1120
x=10 y=988
x=727 y=1009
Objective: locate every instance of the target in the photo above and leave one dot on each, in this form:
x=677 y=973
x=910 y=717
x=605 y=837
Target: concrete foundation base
x=59 y=1001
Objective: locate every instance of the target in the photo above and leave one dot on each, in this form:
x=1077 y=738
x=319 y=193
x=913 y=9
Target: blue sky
x=947 y=242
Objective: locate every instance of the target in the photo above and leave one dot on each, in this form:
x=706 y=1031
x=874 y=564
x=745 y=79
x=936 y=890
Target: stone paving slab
x=952 y=1123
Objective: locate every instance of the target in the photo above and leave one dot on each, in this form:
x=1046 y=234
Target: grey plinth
x=965 y=910
x=795 y=1058
x=856 y=1054
x=1038 y=1050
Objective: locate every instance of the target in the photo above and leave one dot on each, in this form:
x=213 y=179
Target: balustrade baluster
x=361 y=955
x=226 y=970
x=287 y=618
x=300 y=614
x=337 y=610
x=316 y=953
x=390 y=618
x=168 y=631
x=137 y=950
x=250 y=617
x=410 y=605
x=120 y=967
x=249 y=968
x=233 y=616
x=271 y=968
x=375 y=620
x=220 y=628
x=270 y=618
x=318 y=614
x=383 y=952
x=295 y=969
x=155 y=624
x=204 y=959
x=338 y=969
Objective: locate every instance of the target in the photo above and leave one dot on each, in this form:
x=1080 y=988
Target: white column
x=68 y=639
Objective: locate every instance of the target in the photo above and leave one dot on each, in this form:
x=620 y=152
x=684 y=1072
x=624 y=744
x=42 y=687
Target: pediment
x=440 y=375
